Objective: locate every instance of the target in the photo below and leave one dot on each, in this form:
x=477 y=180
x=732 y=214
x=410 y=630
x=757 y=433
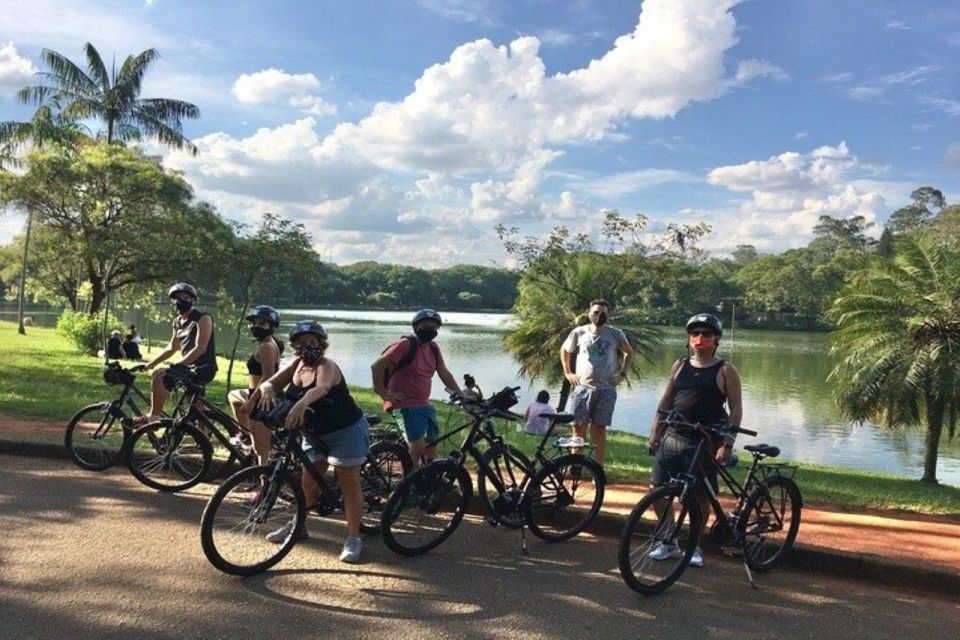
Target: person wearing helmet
x=595 y=357
x=261 y=365
x=698 y=388
x=403 y=376
x=334 y=423
x=193 y=337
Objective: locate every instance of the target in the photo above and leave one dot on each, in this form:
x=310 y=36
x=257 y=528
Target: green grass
x=43 y=377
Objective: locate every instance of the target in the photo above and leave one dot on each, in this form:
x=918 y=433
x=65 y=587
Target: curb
x=864 y=567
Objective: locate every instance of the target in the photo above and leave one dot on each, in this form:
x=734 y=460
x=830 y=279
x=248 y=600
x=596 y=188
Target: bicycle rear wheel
x=386 y=465
x=426 y=508
x=658 y=539
x=169 y=456
x=564 y=497
x=95 y=438
x=503 y=507
x=769 y=522
x=248 y=506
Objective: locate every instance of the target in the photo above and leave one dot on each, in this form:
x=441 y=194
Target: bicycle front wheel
x=252 y=521
x=658 y=539
x=564 y=497
x=95 y=437
x=169 y=456
x=769 y=522
x=426 y=508
x=386 y=465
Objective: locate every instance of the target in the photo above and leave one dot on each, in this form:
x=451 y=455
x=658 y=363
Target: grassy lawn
x=43 y=377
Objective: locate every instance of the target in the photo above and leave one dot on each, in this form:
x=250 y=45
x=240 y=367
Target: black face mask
x=601 y=319
x=183 y=305
x=425 y=335
x=310 y=355
x=260 y=333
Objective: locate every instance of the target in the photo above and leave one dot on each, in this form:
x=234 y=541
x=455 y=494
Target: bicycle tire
x=564 y=497
x=91 y=437
x=645 y=529
x=505 y=510
x=386 y=465
x=169 y=456
x=247 y=507
x=773 y=507
x=426 y=508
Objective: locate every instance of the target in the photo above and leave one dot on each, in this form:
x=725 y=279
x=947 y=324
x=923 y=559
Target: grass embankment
x=43 y=377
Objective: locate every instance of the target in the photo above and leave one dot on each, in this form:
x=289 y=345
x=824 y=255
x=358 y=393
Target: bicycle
x=175 y=455
x=259 y=500
x=762 y=527
x=97 y=434
x=555 y=497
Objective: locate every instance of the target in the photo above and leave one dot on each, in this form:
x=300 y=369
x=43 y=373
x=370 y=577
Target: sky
x=404 y=131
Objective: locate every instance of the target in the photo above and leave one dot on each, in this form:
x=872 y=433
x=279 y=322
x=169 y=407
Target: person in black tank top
x=699 y=387
x=193 y=338
x=335 y=430
x=262 y=364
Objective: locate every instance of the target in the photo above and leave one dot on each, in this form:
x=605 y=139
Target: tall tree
x=112 y=96
x=917 y=213
x=897 y=342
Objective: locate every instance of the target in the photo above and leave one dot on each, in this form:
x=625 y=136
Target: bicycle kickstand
x=746 y=568
x=523 y=539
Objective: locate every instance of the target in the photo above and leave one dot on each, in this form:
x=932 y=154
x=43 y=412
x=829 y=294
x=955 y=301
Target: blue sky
x=404 y=131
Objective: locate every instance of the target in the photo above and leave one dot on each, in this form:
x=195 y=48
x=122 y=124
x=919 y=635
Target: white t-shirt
x=535 y=422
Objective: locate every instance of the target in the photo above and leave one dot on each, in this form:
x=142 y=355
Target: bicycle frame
x=200 y=413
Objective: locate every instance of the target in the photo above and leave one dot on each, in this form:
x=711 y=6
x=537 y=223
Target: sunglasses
x=702 y=332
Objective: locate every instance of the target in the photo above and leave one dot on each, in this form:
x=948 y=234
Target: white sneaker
x=665 y=551
x=696 y=560
x=281 y=534
x=352 y=548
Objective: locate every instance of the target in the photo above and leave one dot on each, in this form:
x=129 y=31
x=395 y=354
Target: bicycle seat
x=562 y=418
x=372 y=418
x=763 y=449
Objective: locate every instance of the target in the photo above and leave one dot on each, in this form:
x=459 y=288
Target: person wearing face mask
x=698 y=388
x=403 y=376
x=334 y=424
x=193 y=337
x=262 y=364
x=595 y=358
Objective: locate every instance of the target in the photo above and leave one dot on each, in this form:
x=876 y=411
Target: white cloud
x=618 y=185
x=469 y=11
x=896 y=25
x=878 y=87
x=800 y=135
x=949 y=107
x=16 y=71
x=749 y=69
x=842 y=76
x=276 y=85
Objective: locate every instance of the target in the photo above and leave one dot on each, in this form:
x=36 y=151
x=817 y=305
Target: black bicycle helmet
x=705 y=321
x=427 y=314
x=308 y=326
x=265 y=312
x=182 y=287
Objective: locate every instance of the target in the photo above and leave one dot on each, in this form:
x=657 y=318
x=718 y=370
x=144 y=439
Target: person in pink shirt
x=403 y=376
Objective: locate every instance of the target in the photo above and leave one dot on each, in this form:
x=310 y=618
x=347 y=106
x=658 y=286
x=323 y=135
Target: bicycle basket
x=504 y=399
x=113 y=373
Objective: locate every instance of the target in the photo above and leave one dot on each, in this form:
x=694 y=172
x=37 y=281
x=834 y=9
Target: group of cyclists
x=313 y=392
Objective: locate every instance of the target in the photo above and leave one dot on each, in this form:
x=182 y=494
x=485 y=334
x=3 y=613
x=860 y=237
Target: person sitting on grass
x=535 y=423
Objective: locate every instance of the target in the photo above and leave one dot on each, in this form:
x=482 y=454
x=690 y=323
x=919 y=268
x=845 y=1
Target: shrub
x=84 y=330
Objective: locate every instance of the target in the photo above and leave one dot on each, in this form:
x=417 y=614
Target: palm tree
x=897 y=342
x=113 y=97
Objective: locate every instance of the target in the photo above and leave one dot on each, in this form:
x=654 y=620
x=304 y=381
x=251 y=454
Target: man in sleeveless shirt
x=603 y=356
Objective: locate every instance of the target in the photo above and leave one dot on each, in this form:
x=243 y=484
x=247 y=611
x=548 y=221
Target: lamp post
x=733 y=316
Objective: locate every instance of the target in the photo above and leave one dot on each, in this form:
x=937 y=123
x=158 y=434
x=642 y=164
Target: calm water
x=786 y=396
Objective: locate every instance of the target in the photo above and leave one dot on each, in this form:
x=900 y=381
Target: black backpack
x=412 y=344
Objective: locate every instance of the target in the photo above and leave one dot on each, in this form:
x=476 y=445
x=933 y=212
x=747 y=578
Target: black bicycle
x=556 y=497
x=97 y=435
x=175 y=455
x=255 y=502
x=664 y=529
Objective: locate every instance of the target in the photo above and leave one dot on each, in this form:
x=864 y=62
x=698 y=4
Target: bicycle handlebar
x=720 y=428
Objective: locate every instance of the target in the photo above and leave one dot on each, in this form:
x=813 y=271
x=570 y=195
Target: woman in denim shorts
x=335 y=431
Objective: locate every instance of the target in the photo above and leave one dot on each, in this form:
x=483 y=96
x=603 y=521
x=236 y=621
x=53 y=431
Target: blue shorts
x=417 y=422
x=344 y=448
x=593 y=405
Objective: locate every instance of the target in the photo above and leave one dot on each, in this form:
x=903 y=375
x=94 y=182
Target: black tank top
x=333 y=412
x=696 y=395
x=188 y=330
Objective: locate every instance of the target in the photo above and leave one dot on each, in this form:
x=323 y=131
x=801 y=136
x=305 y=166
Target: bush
x=84 y=330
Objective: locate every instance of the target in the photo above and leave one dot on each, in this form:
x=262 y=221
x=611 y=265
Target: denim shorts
x=593 y=404
x=344 y=448
x=417 y=422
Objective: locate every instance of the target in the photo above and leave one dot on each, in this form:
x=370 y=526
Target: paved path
x=88 y=555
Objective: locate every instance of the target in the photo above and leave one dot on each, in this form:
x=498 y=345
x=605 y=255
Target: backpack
x=412 y=343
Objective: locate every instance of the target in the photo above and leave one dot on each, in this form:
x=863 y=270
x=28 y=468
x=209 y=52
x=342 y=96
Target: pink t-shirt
x=415 y=379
